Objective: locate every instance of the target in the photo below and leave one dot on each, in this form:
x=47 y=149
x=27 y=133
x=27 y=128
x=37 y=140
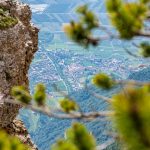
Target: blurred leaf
x=68 y=105
x=81 y=31
x=132 y=119
x=64 y=145
x=103 y=81
x=145 y=49
x=40 y=94
x=80 y=136
x=8 y=142
x=128 y=18
x=21 y=94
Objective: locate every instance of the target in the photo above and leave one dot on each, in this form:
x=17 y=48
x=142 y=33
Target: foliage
x=132 y=119
x=81 y=32
x=6 y=21
x=145 y=49
x=20 y=93
x=68 y=105
x=64 y=145
x=103 y=81
x=79 y=135
x=77 y=138
x=127 y=17
x=10 y=143
x=40 y=94
x=39 y=97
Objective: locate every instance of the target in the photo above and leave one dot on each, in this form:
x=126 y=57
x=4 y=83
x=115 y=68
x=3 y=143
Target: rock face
x=17 y=47
x=17 y=128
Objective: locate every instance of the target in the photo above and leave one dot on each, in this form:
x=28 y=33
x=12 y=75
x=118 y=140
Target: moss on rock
x=6 y=20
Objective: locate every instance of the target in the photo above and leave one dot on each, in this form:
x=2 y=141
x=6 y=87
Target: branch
x=138 y=83
x=148 y=15
x=105 y=145
x=108 y=32
x=100 y=96
x=72 y=115
x=65 y=95
x=144 y=34
x=107 y=99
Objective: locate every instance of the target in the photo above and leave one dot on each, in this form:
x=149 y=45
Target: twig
x=138 y=83
x=108 y=32
x=97 y=95
x=65 y=95
x=100 y=96
x=144 y=34
x=105 y=145
x=73 y=115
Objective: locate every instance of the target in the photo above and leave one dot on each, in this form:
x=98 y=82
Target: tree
x=130 y=113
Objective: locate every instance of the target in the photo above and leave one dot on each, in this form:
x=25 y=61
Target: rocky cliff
x=18 y=43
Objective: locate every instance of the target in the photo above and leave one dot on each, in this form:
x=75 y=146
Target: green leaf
x=8 y=142
x=103 y=81
x=132 y=117
x=81 y=31
x=127 y=17
x=68 y=105
x=145 y=49
x=64 y=145
x=80 y=136
x=82 y=9
x=40 y=94
x=21 y=94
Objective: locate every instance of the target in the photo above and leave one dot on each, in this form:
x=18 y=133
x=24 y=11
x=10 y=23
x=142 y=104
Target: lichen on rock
x=18 y=43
